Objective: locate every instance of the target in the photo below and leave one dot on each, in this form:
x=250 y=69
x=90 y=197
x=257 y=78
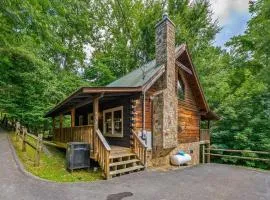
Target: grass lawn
x=52 y=164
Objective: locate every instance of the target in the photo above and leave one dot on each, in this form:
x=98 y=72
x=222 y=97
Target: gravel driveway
x=209 y=181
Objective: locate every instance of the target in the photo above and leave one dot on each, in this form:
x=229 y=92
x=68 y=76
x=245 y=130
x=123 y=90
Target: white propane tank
x=180 y=159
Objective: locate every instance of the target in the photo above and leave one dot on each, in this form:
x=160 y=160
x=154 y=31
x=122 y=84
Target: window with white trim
x=113 y=122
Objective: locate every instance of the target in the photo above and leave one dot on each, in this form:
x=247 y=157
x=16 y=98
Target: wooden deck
x=74 y=134
x=119 y=150
x=60 y=145
x=113 y=160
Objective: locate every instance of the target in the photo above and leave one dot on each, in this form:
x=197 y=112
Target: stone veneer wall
x=192 y=149
x=165 y=103
x=165 y=115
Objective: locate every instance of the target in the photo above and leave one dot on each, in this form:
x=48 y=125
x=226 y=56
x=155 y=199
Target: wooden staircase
x=123 y=161
x=115 y=160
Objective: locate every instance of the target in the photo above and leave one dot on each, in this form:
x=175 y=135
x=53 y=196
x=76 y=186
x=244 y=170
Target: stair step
x=130 y=169
x=121 y=155
x=124 y=162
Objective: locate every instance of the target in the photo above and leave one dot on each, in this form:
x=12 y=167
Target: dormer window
x=180 y=89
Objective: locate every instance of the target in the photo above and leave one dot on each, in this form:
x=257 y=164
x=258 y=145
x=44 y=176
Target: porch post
x=95 y=115
x=61 y=126
x=72 y=117
x=61 y=121
x=53 y=124
x=208 y=127
x=209 y=146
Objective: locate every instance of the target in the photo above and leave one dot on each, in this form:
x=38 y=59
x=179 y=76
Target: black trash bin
x=78 y=155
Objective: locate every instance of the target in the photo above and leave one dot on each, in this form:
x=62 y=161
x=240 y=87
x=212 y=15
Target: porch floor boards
x=60 y=145
x=117 y=150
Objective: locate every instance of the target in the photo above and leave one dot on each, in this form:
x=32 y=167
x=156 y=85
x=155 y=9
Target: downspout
x=143 y=116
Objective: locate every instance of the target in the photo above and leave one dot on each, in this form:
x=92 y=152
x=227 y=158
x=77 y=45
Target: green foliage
x=42 y=58
x=244 y=106
x=55 y=30
x=41 y=46
x=126 y=34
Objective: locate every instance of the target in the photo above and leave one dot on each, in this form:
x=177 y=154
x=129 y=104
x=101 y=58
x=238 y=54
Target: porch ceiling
x=85 y=95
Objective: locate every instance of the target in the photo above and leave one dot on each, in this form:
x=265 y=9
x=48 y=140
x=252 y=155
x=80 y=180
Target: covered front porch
x=102 y=119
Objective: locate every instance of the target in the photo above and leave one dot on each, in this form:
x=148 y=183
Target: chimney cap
x=165 y=17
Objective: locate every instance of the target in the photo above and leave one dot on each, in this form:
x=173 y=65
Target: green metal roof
x=141 y=75
x=138 y=77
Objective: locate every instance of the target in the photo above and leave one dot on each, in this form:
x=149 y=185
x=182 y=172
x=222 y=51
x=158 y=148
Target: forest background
x=49 y=48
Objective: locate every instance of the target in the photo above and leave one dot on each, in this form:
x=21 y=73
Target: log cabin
x=142 y=118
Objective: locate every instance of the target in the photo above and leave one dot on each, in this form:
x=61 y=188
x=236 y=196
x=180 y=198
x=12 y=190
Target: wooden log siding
x=188 y=112
x=75 y=134
x=138 y=124
x=188 y=125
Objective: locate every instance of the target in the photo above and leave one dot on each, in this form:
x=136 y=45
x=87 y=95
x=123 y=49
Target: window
x=180 y=89
x=113 y=122
x=80 y=120
x=90 y=119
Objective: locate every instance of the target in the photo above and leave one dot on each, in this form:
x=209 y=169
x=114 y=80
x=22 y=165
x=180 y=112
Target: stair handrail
x=102 y=152
x=139 y=139
x=139 y=147
x=103 y=140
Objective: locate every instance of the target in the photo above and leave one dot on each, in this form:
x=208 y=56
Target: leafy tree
x=43 y=58
x=245 y=109
x=126 y=32
x=41 y=49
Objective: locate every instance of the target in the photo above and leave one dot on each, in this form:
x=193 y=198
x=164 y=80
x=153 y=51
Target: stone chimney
x=165 y=126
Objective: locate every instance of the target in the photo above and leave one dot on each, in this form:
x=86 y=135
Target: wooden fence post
x=38 y=149
x=16 y=136
x=208 y=155
x=203 y=153
x=23 y=139
x=17 y=131
x=13 y=125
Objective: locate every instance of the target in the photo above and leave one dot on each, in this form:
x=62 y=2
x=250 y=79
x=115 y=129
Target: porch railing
x=100 y=147
x=74 y=134
x=139 y=148
x=204 y=134
x=102 y=152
